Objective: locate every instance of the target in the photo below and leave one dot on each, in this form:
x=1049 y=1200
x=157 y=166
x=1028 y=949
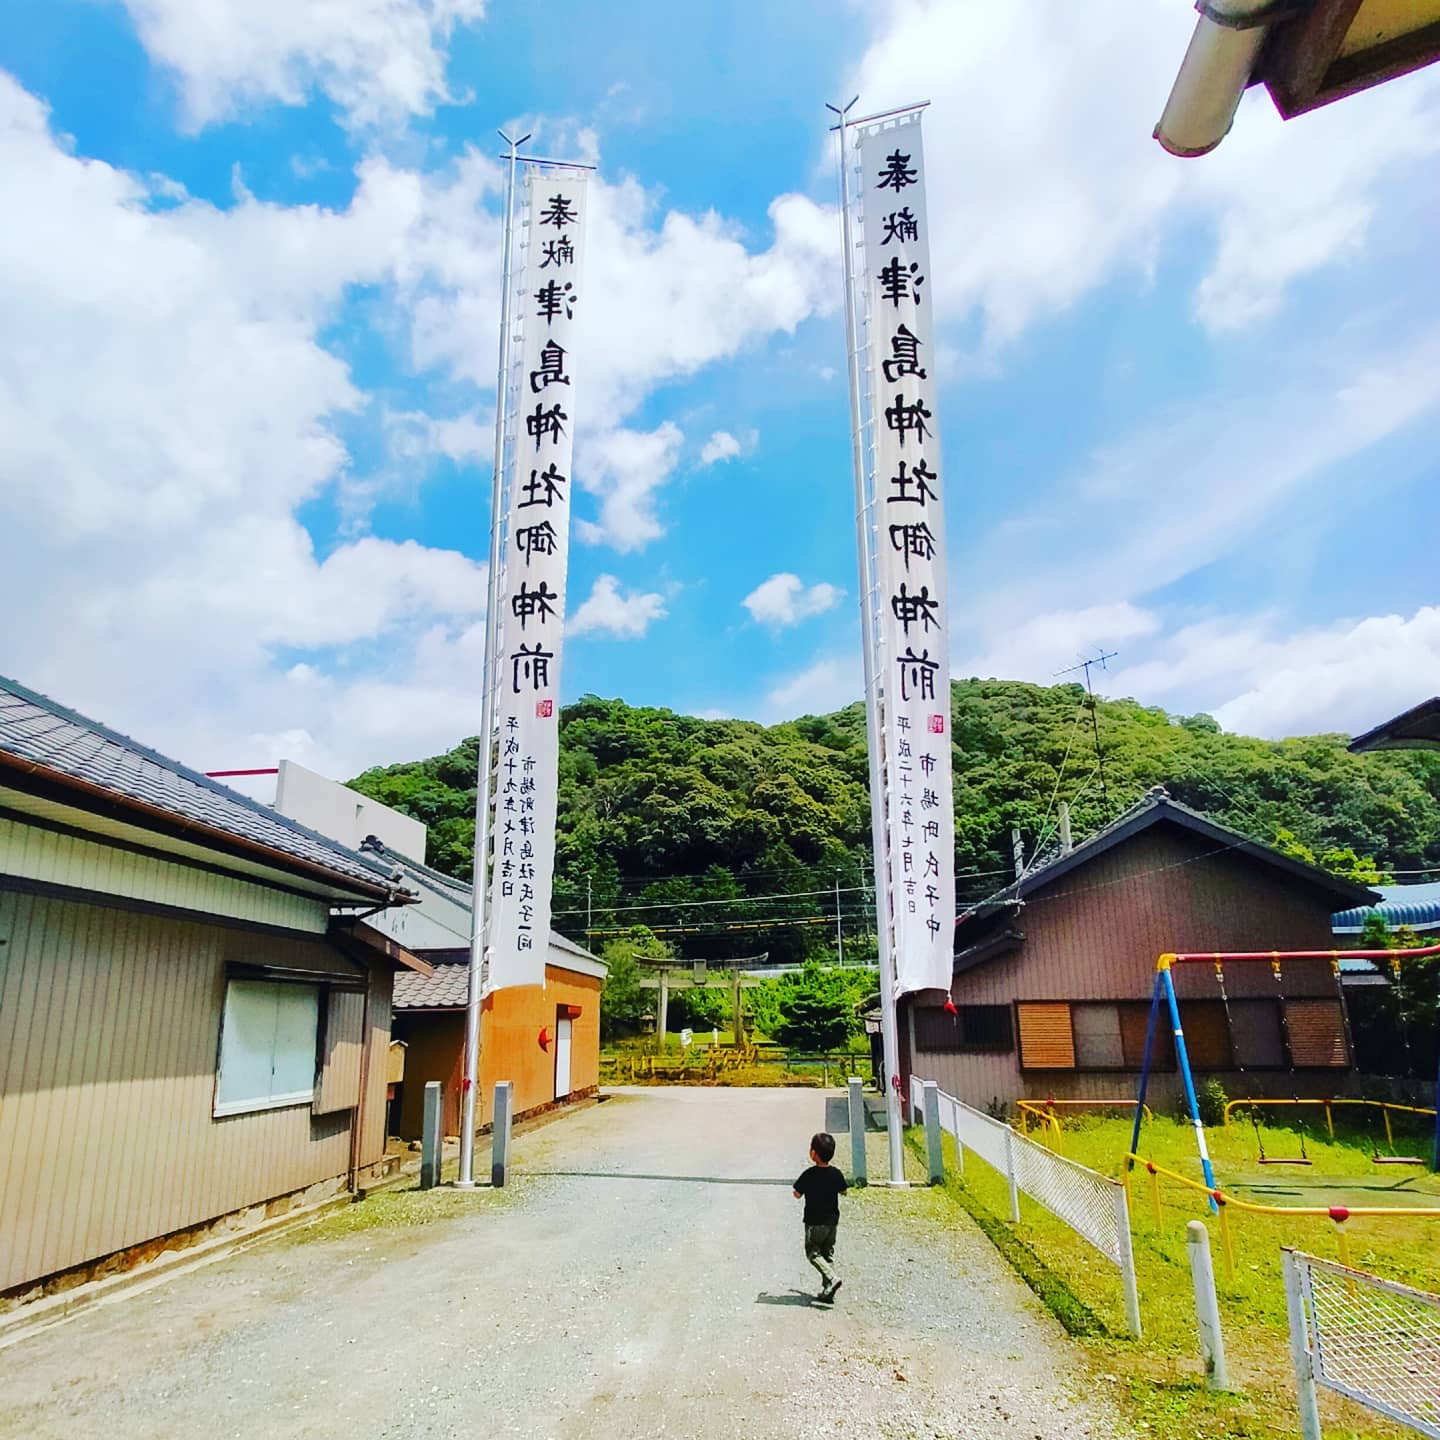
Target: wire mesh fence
x=1091 y=1204
x=1366 y=1337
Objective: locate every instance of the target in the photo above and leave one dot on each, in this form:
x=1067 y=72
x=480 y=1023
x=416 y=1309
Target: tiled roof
x=34 y=728
x=448 y=987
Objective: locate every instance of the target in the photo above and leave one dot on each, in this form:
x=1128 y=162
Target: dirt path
x=643 y=1276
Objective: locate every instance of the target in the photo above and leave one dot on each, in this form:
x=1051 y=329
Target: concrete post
x=1207 y=1310
x=858 y=1174
x=500 y=1134
x=431 y=1141
x=662 y=1013
x=934 y=1151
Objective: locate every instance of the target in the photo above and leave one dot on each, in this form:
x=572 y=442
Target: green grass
x=1158 y=1379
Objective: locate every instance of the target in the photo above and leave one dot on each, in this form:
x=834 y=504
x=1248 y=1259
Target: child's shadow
x=794 y=1297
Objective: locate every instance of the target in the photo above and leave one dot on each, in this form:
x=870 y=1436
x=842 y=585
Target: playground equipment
x=1385 y=1107
x=1222 y=1202
x=1041 y=1113
x=1164 y=989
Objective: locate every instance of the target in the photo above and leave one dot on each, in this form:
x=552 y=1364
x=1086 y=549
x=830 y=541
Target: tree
x=817 y=1010
x=624 y=1004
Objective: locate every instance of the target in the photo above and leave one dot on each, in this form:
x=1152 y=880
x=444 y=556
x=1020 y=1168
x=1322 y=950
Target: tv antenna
x=1087 y=665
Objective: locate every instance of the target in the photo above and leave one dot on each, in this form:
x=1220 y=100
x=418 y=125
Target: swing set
x=1164 y=990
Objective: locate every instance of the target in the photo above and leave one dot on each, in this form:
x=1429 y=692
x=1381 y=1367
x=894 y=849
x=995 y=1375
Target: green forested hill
x=663 y=811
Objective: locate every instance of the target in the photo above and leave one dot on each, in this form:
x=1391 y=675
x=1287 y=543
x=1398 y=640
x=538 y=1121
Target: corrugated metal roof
x=35 y=728
x=1416 y=906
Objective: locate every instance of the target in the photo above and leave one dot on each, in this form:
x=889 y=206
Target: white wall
x=344 y=814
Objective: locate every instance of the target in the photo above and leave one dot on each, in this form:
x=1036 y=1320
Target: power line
x=1085 y=665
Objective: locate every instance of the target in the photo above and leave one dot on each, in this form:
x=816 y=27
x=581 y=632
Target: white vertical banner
x=913 y=654
x=532 y=603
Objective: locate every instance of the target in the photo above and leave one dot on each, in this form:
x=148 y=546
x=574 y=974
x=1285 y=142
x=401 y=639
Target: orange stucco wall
x=510 y=1039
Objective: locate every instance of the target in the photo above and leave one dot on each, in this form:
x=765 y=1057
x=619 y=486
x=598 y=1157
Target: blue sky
x=1190 y=409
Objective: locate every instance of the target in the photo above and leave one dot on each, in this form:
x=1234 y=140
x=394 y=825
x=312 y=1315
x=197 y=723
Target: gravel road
x=641 y=1276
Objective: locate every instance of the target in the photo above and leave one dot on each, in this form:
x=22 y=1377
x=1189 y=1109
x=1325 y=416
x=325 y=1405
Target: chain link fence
x=1094 y=1206
x=1371 y=1339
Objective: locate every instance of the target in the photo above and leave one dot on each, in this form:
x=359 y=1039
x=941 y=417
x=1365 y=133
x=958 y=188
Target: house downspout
x=1216 y=70
x=357 y=1130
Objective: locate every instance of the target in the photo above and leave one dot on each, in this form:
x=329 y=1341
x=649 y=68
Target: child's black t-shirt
x=822 y=1186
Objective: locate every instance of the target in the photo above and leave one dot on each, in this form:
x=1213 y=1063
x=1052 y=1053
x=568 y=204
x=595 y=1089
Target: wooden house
x=194 y=1007
x=1053 y=976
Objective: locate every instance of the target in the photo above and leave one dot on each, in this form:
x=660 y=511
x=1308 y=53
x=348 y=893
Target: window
x=1207 y=1038
x=267 y=1046
x=1255 y=1031
x=1317 y=1033
x=1058 y=1035
x=972 y=1028
x=1046 y=1039
x=1097 y=1037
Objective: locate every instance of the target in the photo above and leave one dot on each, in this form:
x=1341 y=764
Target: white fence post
x=1127 y=1263
x=934 y=1152
x=1207 y=1308
x=1300 y=1350
x=1010 y=1176
x=955 y=1131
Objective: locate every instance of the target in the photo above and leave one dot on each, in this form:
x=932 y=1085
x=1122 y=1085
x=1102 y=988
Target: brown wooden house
x=1053 y=976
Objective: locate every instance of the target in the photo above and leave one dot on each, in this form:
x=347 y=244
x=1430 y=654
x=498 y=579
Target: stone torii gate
x=741 y=973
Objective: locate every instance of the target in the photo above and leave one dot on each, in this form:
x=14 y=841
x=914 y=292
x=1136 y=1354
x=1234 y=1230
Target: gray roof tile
x=448 y=986
x=35 y=728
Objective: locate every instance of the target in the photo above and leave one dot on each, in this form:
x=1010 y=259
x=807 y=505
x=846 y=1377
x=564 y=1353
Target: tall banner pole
x=480 y=886
x=889 y=1032
x=536 y=543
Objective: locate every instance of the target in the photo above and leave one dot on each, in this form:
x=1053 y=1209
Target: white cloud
x=785 y=600
x=722 y=446
x=1069 y=190
x=827 y=684
x=1037 y=647
x=378 y=60
x=607 y=612
x=165 y=408
x=1223 y=484
x=625 y=468
x=1258 y=680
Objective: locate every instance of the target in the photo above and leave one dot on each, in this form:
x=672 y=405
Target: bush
x=1213 y=1100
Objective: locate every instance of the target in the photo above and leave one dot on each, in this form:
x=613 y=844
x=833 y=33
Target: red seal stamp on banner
x=544 y=709
x=937 y=724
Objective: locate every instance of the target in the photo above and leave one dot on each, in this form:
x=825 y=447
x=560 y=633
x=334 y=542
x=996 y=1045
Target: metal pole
x=1207 y=1308
x=839 y=937
x=1182 y=1061
x=480 y=888
x=889 y=1033
x=1300 y=1349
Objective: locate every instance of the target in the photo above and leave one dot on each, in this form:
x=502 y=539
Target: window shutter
x=1046 y=1039
x=1317 y=1033
x=339 y=1085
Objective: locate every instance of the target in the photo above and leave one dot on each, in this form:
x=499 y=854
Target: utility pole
x=589 y=909
x=1017 y=852
x=1086 y=665
x=839 y=937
